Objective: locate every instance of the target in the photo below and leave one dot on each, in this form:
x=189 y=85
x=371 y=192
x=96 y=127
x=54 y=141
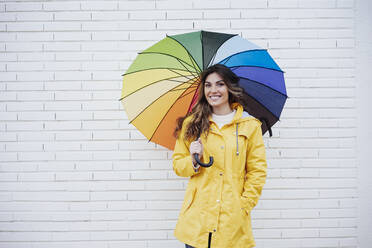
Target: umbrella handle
x=196 y=157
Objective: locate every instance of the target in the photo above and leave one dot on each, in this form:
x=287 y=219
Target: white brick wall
x=74 y=173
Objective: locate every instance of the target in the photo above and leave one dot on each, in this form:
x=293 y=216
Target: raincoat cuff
x=191 y=169
x=247 y=204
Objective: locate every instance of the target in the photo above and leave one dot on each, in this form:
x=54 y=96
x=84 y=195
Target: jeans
x=188 y=246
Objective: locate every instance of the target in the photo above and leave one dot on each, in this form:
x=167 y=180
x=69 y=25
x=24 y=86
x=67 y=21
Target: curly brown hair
x=200 y=113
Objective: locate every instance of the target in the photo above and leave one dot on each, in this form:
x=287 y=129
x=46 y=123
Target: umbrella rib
x=261 y=104
x=165 y=115
x=169 y=79
x=228 y=58
x=161 y=68
x=184 y=88
x=192 y=59
x=152 y=103
x=194 y=74
x=201 y=41
x=178 y=59
x=263 y=85
x=214 y=55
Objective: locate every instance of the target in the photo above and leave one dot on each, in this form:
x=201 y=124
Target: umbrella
x=161 y=84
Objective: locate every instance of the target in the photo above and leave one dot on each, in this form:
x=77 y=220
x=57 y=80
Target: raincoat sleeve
x=256 y=169
x=182 y=161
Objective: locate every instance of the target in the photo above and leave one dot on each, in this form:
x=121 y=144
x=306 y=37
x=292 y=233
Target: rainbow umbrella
x=161 y=84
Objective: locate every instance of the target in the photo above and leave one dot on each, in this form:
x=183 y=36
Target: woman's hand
x=196 y=147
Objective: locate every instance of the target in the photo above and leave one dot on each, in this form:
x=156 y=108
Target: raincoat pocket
x=189 y=199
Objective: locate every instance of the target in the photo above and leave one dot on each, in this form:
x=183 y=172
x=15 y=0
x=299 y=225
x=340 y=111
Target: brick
x=56 y=86
x=34 y=76
x=8 y=96
x=141 y=175
x=24 y=126
x=62 y=46
x=35 y=136
x=100 y=125
x=339 y=232
x=34 y=16
x=73 y=75
x=199 y=4
x=72 y=36
x=300 y=233
x=211 y=24
x=24 y=66
x=24 y=106
x=317 y=43
x=20 y=236
x=102 y=105
x=174 y=24
x=73 y=135
x=170 y=5
x=136 y=5
x=317 y=4
x=8 y=116
x=148 y=234
x=10 y=7
x=34 y=96
x=184 y=14
x=8 y=57
x=62 y=26
x=36 y=115
x=100 y=66
x=345 y=3
x=110 y=155
x=107 y=5
x=73 y=176
x=35 y=57
x=253 y=4
x=24 y=47
x=335 y=33
x=147 y=15
x=72 y=95
x=221 y=14
x=100 y=26
x=34 y=36
x=114 y=35
x=62 y=125
x=51 y=196
x=107 y=75
x=76 y=56
x=62 y=106
x=72 y=16
x=62 y=6
x=73 y=155
x=61 y=146
x=35 y=156
x=114 y=175
x=282 y=4
x=100 y=145
x=131 y=165
x=7 y=37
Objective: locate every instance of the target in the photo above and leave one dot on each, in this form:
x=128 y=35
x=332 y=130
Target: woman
x=218 y=199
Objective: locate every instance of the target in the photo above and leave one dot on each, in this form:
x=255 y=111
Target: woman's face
x=216 y=91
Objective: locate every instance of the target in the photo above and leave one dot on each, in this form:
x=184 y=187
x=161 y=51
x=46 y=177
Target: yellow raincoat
x=219 y=199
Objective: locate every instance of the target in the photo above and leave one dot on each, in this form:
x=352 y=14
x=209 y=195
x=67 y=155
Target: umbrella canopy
x=161 y=84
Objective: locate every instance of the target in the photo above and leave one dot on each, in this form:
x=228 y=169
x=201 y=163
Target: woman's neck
x=222 y=110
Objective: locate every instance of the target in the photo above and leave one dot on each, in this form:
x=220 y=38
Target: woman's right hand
x=196 y=147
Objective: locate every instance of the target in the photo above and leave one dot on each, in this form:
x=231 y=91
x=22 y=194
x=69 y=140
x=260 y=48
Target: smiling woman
x=218 y=199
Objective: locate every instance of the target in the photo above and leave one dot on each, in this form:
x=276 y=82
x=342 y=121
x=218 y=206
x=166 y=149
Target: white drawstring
x=237 y=142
